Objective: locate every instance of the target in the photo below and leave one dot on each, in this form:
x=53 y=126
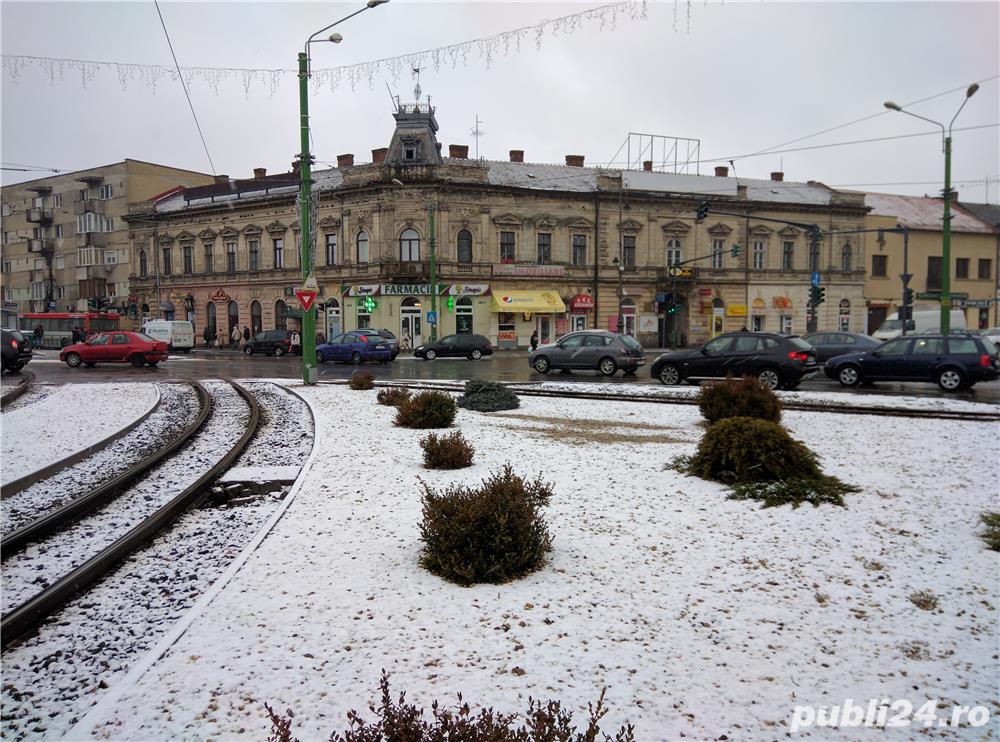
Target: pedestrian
x=220 y=342
x=207 y=334
x=534 y=340
x=319 y=338
x=744 y=329
x=296 y=343
x=246 y=335
x=78 y=335
x=405 y=345
x=236 y=337
x=39 y=335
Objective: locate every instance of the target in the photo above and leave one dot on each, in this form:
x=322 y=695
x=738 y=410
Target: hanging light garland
x=487 y=48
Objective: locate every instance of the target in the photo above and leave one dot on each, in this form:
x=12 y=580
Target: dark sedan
x=830 y=344
x=16 y=350
x=955 y=361
x=779 y=361
x=465 y=345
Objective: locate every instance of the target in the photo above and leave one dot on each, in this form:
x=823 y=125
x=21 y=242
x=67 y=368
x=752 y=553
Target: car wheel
x=849 y=375
x=430 y=355
x=320 y=358
x=356 y=358
x=476 y=354
x=542 y=365
x=607 y=366
x=669 y=374
x=769 y=378
x=73 y=360
x=950 y=379
x=15 y=367
x=137 y=360
x=248 y=350
x=151 y=363
x=279 y=352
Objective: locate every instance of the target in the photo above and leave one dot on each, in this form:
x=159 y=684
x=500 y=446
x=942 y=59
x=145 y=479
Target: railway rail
x=22 y=386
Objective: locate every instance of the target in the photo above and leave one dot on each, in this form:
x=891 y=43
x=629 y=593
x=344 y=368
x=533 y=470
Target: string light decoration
x=488 y=49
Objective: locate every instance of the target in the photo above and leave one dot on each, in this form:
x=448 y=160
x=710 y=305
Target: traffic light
x=814 y=295
x=907 y=297
x=98 y=303
x=736 y=250
x=820 y=295
x=702 y=212
x=369 y=304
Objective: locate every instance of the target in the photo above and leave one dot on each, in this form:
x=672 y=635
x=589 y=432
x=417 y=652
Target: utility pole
x=433 y=245
x=305 y=224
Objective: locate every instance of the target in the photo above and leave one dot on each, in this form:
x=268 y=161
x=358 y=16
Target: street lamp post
x=620 y=260
x=305 y=193
x=946 y=227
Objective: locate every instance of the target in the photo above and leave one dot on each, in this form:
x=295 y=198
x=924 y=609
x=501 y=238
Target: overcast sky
x=740 y=76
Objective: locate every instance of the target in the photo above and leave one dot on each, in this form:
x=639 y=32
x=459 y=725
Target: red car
x=115 y=347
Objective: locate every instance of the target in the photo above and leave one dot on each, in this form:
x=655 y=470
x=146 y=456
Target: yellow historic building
x=515 y=247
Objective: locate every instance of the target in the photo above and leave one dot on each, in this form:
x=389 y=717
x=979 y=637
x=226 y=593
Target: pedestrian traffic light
x=702 y=212
x=736 y=250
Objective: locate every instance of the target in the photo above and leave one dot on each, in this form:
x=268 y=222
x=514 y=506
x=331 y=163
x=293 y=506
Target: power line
x=180 y=78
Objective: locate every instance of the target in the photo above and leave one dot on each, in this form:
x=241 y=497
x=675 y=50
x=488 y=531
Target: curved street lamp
x=946 y=227
x=305 y=186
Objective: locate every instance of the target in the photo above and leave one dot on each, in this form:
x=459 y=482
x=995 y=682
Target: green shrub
x=733 y=397
x=745 y=449
x=427 y=410
x=398 y=721
x=393 y=396
x=361 y=380
x=488 y=396
x=794 y=492
x=992 y=534
x=493 y=533
x=447 y=452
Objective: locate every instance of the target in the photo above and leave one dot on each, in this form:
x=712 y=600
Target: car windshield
x=144 y=336
x=799 y=343
x=630 y=342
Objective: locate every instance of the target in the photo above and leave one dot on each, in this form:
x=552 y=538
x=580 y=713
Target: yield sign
x=306 y=298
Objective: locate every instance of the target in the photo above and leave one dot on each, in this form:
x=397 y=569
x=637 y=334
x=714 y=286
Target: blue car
x=356 y=348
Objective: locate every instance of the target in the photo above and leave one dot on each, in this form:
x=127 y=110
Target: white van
x=924 y=320
x=178 y=335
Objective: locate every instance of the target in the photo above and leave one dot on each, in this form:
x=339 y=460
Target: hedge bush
x=992 y=533
x=427 y=410
x=447 y=452
x=361 y=380
x=393 y=396
x=493 y=533
x=732 y=397
x=746 y=449
x=488 y=396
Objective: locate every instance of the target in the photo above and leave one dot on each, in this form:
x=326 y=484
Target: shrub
x=361 y=380
x=401 y=721
x=427 y=410
x=494 y=533
x=745 y=449
x=393 y=396
x=447 y=452
x=992 y=534
x=794 y=492
x=488 y=396
x=925 y=600
x=744 y=397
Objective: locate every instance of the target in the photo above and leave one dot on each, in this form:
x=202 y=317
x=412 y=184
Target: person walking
x=207 y=334
x=246 y=336
x=220 y=341
x=236 y=337
x=39 y=336
x=534 y=340
x=296 y=343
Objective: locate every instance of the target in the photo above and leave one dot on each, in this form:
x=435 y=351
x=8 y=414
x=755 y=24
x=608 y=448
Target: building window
x=89 y=222
x=6 y=238
x=256 y=321
x=210 y=320
x=331 y=248
x=844 y=322
x=143 y=264
x=280 y=315
x=254 y=254
x=109 y=224
x=718 y=254
x=464 y=249
x=106 y=192
x=880 y=266
x=166 y=261
x=787 y=255
x=463 y=316
x=985 y=268
x=933 y=273
x=59 y=230
x=579 y=249
x=961 y=267
x=230 y=256
x=363 y=247
x=209 y=262
x=57 y=199
x=544 y=248
x=6 y=266
x=674 y=252
x=506 y=247
x=786 y=324
x=758 y=255
x=188 y=251
x=38 y=290
x=81 y=194
x=813 y=256
x=846 y=258
x=279 y=252
x=409 y=245
x=628 y=251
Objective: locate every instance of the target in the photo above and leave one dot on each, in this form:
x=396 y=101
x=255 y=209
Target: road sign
x=306 y=298
x=432 y=318
x=815 y=278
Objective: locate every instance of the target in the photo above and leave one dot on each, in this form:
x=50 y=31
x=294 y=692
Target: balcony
x=93 y=205
x=90 y=256
x=413 y=270
x=92 y=239
x=38 y=216
x=40 y=245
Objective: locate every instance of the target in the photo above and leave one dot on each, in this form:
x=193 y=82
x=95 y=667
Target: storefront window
x=786 y=324
x=506 y=327
x=280 y=315
x=463 y=316
x=364 y=319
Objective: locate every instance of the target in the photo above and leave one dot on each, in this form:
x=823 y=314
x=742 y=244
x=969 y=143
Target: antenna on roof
x=393 y=98
x=477 y=132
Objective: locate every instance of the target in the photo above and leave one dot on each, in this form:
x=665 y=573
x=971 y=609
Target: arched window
x=846 y=255
x=464 y=247
x=409 y=245
x=280 y=315
x=143 y=264
x=210 y=319
x=363 y=247
x=256 y=321
x=463 y=316
x=675 y=253
x=234 y=316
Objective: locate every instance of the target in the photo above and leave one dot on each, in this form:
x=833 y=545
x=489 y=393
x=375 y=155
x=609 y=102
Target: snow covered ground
x=702 y=616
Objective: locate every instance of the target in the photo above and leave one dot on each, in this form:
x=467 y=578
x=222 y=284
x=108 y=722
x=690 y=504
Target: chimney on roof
x=517 y=155
x=647 y=166
x=458 y=151
x=259 y=172
x=345 y=160
x=221 y=178
x=378 y=155
x=777 y=176
x=721 y=171
x=296 y=164
x=574 y=160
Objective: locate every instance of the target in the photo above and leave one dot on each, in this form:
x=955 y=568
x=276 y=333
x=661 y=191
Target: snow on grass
x=68 y=421
x=701 y=615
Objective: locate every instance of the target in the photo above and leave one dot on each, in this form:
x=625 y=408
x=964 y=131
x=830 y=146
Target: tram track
x=21 y=387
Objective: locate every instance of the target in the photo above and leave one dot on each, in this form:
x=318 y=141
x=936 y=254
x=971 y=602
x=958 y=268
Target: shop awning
x=546 y=302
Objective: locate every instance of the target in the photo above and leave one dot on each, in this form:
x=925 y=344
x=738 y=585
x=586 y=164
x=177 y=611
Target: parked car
x=830 y=344
x=177 y=334
x=992 y=334
x=354 y=347
x=392 y=340
x=16 y=350
x=779 y=361
x=591 y=349
x=268 y=342
x=115 y=347
x=955 y=361
x=465 y=345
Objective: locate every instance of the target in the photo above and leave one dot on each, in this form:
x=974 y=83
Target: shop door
x=544 y=329
x=409 y=325
x=332 y=321
x=577 y=322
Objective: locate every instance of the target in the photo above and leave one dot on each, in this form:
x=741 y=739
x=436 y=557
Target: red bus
x=59 y=326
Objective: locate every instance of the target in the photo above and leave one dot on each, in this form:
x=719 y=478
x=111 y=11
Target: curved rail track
x=22 y=386
x=32 y=612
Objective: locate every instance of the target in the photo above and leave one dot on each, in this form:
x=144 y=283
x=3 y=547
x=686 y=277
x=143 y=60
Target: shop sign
x=468 y=289
x=781 y=302
x=367 y=289
x=704 y=292
x=220 y=295
x=506 y=336
x=736 y=310
x=512 y=269
x=581 y=301
x=398 y=289
x=647 y=323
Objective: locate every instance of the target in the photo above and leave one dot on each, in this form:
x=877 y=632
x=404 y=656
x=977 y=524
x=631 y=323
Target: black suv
x=779 y=361
x=277 y=342
x=465 y=345
x=955 y=361
x=16 y=350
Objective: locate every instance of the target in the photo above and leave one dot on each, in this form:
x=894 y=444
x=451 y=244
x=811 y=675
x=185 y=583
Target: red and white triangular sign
x=306 y=298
